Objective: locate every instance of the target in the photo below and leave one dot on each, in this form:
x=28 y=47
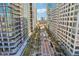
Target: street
x=46 y=49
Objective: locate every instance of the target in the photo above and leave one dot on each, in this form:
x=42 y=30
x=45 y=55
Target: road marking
x=46 y=49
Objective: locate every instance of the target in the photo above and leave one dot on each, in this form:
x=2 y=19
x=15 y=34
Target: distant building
x=42 y=18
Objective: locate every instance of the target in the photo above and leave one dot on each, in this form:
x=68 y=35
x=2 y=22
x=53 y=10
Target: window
x=76 y=52
x=11 y=44
x=0 y=44
x=72 y=3
x=69 y=29
x=9 y=29
x=73 y=31
x=0 y=39
x=67 y=23
x=71 y=19
x=10 y=34
x=5 y=44
x=1 y=49
x=0 y=35
x=68 y=43
x=76 y=12
x=68 y=38
x=68 y=14
x=66 y=33
x=3 y=23
x=72 y=41
x=3 y=19
x=72 y=8
x=6 y=49
x=70 y=24
x=4 y=29
x=75 y=18
x=9 y=15
x=73 y=36
x=1 y=14
x=8 y=9
x=71 y=50
x=67 y=18
x=1 y=9
x=69 y=4
x=1 y=4
x=71 y=13
x=72 y=46
x=68 y=9
x=76 y=7
x=5 y=39
x=7 y=4
x=74 y=24
x=4 y=34
x=77 y=47
x=69 y=34
x=78 y=32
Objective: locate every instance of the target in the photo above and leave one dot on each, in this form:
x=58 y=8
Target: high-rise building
x=50 y=8
x=32 y=17
x=13 y=33
x=65 y=25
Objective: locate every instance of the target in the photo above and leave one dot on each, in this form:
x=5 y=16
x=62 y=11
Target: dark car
x=51 y=44
x=38 y=54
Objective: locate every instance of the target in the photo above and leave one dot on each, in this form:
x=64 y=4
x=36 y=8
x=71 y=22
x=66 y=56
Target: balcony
x=15 y=50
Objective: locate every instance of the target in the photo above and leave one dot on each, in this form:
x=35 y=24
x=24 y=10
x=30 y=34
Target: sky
x=41 y=10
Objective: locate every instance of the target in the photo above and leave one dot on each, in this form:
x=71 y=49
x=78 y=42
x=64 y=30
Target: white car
x=44 y=35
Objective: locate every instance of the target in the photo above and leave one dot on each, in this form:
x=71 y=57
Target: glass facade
x=51 y=5
x=11 y=29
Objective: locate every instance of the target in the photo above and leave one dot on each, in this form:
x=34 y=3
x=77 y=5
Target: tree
x=26 y=51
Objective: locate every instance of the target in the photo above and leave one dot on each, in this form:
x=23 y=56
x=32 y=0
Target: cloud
x=38 y=18
x=41 y=11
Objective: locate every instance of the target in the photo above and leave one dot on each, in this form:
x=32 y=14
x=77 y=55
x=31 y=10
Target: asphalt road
x=46 y=49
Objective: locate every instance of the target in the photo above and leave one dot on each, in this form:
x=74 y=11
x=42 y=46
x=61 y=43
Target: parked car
x=51 y=44
x=38 y=54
